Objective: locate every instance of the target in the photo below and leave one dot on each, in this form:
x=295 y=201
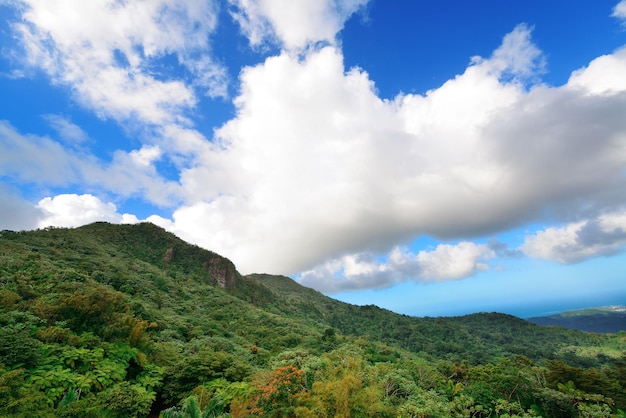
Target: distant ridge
x=603 y=319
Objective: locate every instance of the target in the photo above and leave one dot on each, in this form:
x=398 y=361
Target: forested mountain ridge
x=606 y=319
x=475 y=338
x=128 y=320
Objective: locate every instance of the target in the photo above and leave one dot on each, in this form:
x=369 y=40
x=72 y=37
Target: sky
x=431 y=158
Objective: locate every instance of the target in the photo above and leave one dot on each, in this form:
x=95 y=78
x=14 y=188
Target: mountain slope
x=606 y=319
x=475 y=338
x=132 y=259
x=193 y=285
x=128 y=320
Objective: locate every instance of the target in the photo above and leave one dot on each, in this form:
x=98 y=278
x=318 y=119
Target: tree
x=278 y=397
x=18 y=348
x=17 y=400
x=126 y=400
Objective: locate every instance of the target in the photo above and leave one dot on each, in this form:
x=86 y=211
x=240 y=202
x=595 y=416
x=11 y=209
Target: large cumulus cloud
x=325 y=168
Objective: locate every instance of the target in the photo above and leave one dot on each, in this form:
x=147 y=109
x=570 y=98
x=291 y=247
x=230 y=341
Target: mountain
x=474 y=337
x=131 y=321
x=604 y=319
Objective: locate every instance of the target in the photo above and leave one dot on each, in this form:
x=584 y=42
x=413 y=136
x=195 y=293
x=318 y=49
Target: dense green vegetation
x=130 y=321
x=608 y=319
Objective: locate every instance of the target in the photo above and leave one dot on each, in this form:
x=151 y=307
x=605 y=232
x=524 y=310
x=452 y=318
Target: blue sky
x=432 y=158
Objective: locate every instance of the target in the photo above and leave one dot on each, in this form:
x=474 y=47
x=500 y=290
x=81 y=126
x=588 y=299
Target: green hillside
x=606 y=319
x=130 y=321
x=474 y=338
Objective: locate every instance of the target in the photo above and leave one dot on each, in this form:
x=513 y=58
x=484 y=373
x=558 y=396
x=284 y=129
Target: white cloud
x=517 y=57
x=134 y=173
x=445 y=261
x=107 y=51
x=40 y=160
x=321 y=166
x=575 y=242
x=619 y=11
x=146 y=156
x=68 y=131
x=71 y=210
x=295 y=24
x=16 y=213
x=111 y=55
x=361 y=271
x=339 y=274
x=604 y=75
x=32 y=159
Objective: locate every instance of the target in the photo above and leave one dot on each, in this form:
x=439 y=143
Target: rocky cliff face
x=222 y=272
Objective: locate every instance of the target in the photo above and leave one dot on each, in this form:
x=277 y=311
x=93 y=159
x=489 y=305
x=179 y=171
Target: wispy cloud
x=115 y=58
x=619 y=11
x=293 y=25
x=33 y=159
x=517 y=59
x=105 y=52
x=71 y=133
